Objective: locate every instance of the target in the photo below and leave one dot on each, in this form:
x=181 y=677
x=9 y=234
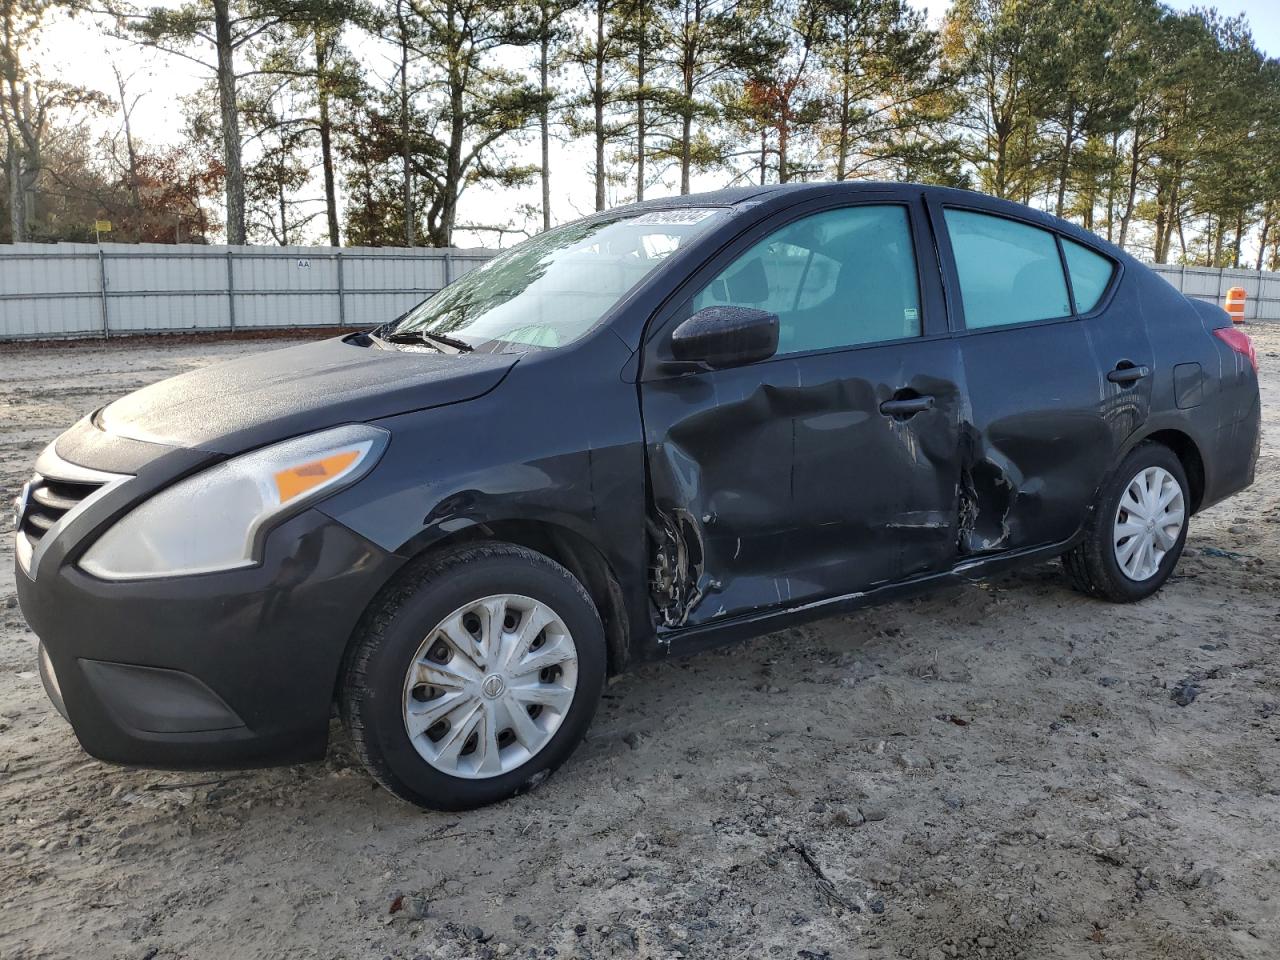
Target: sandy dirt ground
x=1001 y=771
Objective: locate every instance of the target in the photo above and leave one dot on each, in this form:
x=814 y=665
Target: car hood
x=234 y=406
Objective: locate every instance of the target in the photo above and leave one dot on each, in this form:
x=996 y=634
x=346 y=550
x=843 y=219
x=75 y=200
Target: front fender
x=558 y=443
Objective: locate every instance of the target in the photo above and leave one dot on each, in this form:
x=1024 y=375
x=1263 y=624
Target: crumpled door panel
x=1042 y=432
x=782 y=482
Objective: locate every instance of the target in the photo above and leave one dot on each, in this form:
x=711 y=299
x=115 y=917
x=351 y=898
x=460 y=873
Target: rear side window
x=1090 y=274
x=1009 y=272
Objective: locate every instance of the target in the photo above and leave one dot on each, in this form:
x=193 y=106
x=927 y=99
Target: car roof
x=751 y=196
x=733 y=196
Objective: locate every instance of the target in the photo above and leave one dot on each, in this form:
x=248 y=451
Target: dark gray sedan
x=657 y=429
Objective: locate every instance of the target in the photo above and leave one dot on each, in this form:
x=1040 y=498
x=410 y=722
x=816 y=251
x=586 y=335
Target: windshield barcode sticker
x=683 y=215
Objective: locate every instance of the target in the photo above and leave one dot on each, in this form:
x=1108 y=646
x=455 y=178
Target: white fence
x=1262 y=289
x=80 y=289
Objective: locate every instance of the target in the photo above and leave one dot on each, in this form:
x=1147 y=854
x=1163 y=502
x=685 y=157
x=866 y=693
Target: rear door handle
x=1127 y=374
x=906 y=408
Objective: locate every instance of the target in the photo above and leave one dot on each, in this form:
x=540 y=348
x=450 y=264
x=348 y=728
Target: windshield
x=552 y=289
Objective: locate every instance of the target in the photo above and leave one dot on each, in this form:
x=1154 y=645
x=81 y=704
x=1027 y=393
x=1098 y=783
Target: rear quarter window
x=1090 y=274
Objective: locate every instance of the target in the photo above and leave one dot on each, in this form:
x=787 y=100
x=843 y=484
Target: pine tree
x=883 y=85
x=997 y=50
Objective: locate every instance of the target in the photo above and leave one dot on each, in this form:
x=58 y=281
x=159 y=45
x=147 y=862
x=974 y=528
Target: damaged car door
x=1057 y=376
x=827 y=468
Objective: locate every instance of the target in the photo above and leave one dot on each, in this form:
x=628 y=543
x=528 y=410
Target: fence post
x=448 y=266
x=102 y=292
x=342 y=299
x=231 y=291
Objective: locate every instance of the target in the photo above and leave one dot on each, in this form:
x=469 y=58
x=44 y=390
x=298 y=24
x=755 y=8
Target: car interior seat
x=1039 y=291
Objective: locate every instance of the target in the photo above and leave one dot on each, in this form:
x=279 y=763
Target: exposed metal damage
x=677 y=579
x=984 y=498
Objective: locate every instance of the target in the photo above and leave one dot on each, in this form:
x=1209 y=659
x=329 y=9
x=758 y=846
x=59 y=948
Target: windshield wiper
x=430 y=339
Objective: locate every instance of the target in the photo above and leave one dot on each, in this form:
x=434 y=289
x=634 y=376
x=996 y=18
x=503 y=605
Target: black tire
x=1092 y=565
x=390 y=634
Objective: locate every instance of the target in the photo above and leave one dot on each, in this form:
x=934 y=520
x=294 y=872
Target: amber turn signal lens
x=298 y=480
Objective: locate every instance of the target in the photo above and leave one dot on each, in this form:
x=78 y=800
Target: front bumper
x=216 y=670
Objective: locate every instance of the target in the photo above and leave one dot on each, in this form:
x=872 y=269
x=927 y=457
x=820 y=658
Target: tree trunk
x=1167 y=201
x=230 y=111
x=17 y=209
x=1002 y=162
x=1269 y=211
x=598 y=103
x=641 y=74
x=323 y=49
x=284 y=216
x=1028 y=184
x=544 y=116
x=126 y=114
x=1111 y=185
x=442 y=234
x=1173 y=219
x=406 y=165
x=1131 y=196
x=1064 y=167
x=688 y=78
x=784 y=135
x=686 y=149
x=30 y=174
x=842 y=147
x=1160 y=226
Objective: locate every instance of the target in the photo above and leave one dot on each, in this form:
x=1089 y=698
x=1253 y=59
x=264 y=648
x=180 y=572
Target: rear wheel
x=1136 y=532
x=475 y=677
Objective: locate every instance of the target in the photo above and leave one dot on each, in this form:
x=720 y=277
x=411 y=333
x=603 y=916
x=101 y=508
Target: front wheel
x=1137 y=529
x=475 y=677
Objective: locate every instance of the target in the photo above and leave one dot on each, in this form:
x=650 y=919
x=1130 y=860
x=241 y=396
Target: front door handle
x=906 y=408
x=1127 y=374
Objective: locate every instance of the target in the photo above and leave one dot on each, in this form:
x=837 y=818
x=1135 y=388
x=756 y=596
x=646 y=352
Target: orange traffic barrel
x=1235 y=304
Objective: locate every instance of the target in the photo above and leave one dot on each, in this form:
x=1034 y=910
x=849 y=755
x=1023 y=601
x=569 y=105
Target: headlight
x=212 y=520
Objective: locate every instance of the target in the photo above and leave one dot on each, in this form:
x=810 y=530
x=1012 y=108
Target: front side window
x=553 y=288
x=1090 y=274
x=835 y=279
x=1009 y=272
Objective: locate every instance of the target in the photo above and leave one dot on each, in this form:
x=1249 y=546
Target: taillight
x=1238 y=341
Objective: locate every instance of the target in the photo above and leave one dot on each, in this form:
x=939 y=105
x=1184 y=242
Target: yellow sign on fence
x=102 y=226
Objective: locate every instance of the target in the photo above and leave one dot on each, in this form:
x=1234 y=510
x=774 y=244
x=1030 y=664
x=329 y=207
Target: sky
x=78 y=52
x=1264 y=16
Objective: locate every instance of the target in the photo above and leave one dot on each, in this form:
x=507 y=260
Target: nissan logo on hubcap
x=494 y=686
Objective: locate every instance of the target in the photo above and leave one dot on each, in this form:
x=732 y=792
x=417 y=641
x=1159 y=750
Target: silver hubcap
x=489 y=686
x=1148 y=522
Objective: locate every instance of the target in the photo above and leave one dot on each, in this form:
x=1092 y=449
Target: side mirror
x=726 y=336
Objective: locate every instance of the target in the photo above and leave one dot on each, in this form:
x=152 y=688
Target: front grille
x=48 y=501
x=58 y=491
